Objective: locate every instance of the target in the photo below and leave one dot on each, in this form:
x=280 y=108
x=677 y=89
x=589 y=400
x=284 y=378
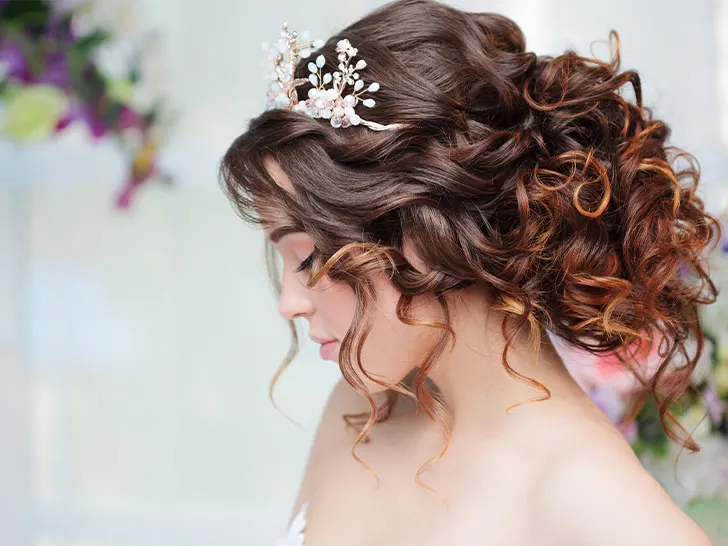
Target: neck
x=470 y=375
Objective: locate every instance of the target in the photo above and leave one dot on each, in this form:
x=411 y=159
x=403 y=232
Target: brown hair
x=531 y=175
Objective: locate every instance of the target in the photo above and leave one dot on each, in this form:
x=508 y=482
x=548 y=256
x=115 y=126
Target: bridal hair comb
x=336 y=103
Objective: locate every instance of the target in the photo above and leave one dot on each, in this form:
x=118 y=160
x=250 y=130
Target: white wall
x=136 y=348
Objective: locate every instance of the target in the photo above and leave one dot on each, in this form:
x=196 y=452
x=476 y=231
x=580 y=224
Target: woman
x=437 y=223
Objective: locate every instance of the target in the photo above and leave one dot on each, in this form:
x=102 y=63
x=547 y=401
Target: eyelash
x=305 y=264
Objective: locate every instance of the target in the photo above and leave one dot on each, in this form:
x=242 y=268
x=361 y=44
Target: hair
x=533 y=176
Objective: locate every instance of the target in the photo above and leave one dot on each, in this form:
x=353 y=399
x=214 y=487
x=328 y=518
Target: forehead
x=276 y=226
x=277 y=173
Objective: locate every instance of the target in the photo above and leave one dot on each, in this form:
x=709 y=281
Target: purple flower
x=123 y=200
x=630 y=431
x=66 y=6
x=60 y=25
x=713 y=404
x=144 y=167
x=129 y=119
x=16 y=67
x=609 y=401
x=56 y=72
x=613 y=406
x=81 y=112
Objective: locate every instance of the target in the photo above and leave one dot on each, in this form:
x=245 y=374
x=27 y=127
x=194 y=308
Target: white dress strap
x=295 y=536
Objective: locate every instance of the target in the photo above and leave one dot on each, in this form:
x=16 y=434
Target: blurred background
x=138 y=333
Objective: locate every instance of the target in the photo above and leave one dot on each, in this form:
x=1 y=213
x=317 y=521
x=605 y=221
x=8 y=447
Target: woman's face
x=392 y=349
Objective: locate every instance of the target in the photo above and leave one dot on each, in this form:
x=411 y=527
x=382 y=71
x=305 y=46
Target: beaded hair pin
x=336 y=103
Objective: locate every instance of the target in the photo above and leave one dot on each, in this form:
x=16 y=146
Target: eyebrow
x=278 y=233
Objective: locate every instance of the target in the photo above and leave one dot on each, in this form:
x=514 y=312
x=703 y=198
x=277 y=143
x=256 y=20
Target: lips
x=328 y=346
x=328 y=349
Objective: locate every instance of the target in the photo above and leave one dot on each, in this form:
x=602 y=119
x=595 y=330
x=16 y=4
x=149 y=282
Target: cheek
x=392 y=348
x=336 y=305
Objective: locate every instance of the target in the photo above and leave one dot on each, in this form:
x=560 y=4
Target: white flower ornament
x=336 y=103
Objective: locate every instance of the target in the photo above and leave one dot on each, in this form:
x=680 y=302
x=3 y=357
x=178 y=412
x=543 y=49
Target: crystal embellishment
x=333 y=95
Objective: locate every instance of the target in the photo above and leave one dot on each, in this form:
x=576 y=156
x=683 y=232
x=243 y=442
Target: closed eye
x=305 y=264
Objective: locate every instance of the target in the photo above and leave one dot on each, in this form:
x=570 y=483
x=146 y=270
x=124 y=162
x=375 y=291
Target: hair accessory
x=323 y=102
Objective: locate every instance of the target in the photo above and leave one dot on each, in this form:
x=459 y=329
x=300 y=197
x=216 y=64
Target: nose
x=294 y=300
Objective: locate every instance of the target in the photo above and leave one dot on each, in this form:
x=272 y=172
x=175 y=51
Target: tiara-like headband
x=330 y=103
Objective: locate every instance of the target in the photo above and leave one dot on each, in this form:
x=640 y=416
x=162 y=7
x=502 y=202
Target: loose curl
x=531 y=175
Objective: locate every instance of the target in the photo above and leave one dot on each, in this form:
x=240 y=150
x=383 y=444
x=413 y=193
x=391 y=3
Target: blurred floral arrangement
x=50 y=78
x=696 y=481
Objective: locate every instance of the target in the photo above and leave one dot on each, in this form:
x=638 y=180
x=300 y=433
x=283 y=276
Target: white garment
x=295 y=537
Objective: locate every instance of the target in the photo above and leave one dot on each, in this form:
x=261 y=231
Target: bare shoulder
x=600 y=494
x=330 y=435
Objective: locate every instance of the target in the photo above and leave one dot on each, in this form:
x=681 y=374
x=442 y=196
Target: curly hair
x=531 y=175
